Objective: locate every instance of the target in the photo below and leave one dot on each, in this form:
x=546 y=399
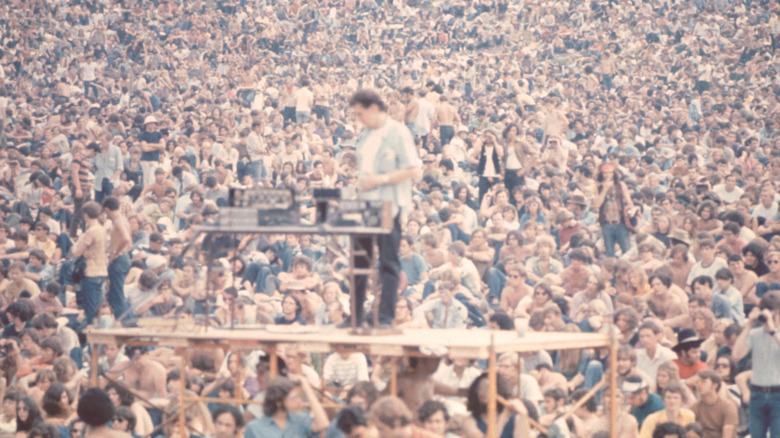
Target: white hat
x=150 y=119
x=155 y=261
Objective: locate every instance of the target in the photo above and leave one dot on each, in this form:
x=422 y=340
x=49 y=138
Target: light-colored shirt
x=108 y=164
x=384 y=150
x=297 y=426
x=456 y=316
x=95 y=241
x=650 y=364
x=347 y=371
x=766 y=356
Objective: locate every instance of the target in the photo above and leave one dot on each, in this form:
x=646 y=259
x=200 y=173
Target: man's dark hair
x=350 y=417
x=23 y=309
x=712 y=376
x=703 y=279
x=278 y=389
x=126 y=398
x=95 y=407
x=503 y=321
x=555 y=393
x=111 y=203
x=664 y=279
x=44 y=321
x=592 y=405
x=125 y=413
x=232 y=410
x=38 y=254
x=366 y=98
x=665 y=430
x=367 y=390
x=754 y=248
x=733 y=227
x=53 y=344
x=91 y=209
x=52 y=397
x=431 y=407
x=724 y=274
x=770 y=301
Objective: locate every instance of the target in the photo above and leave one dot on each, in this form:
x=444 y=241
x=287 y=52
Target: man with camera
x=764 y=343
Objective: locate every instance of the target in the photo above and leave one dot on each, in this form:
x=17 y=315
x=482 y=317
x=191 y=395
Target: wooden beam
x=492 y=409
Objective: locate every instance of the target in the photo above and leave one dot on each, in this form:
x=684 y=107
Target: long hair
x=672 y=370
x=33 y=415
x=278 y=389
x=475 y=405
x=51 y=400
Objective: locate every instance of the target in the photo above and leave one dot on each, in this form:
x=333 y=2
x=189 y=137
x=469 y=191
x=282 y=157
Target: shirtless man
x=744 y=279
x=661 y=301
x=416 y=384
x=142 y=375
x=160 y=185
x=412 y=108
x=446 y=117
x=120 y=245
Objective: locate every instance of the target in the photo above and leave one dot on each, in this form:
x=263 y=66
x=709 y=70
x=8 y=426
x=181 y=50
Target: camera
x=762 y=319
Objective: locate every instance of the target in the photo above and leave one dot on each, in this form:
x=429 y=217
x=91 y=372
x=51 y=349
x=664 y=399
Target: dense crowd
x=586 y=167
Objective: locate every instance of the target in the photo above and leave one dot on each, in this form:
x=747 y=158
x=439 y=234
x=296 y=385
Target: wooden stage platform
x=473 y=344
x=452 y=343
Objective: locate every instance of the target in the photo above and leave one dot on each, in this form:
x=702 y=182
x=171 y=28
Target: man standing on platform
x=388 y=165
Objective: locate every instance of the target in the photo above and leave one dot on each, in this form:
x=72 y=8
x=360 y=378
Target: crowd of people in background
x=588 y=166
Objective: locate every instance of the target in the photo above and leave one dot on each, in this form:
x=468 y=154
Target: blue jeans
x=117 y=271
x=91 y=296
x=258 y=171
x=764 y=414
x=615 y=234
x=593 y=375
x=302 y=117
x=496 y=281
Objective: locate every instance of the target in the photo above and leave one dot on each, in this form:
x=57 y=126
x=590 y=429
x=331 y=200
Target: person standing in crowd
x=108 y=166
x=92 y=245
x=763 y=342
x=121 y=243
x=612 y=200
x=389 y=165
x=152 y=145
x=81 y=184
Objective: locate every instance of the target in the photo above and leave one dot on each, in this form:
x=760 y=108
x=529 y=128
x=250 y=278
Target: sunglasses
x=722 y=365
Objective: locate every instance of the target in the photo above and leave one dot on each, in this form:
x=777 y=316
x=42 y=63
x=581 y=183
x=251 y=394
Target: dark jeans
x=496 y=281
x=263 y=277
x=117 y=271
x=511 y=180
x=389 y=273
x=322 y=112
x=764 y=414
x=615 y=234
x=105 y=191
x=78 y=216
x=446 y=133
x=90 y=85
x=485 y=184
x=91 y=296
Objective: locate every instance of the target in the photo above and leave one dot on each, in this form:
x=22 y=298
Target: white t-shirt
x=304 y=99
